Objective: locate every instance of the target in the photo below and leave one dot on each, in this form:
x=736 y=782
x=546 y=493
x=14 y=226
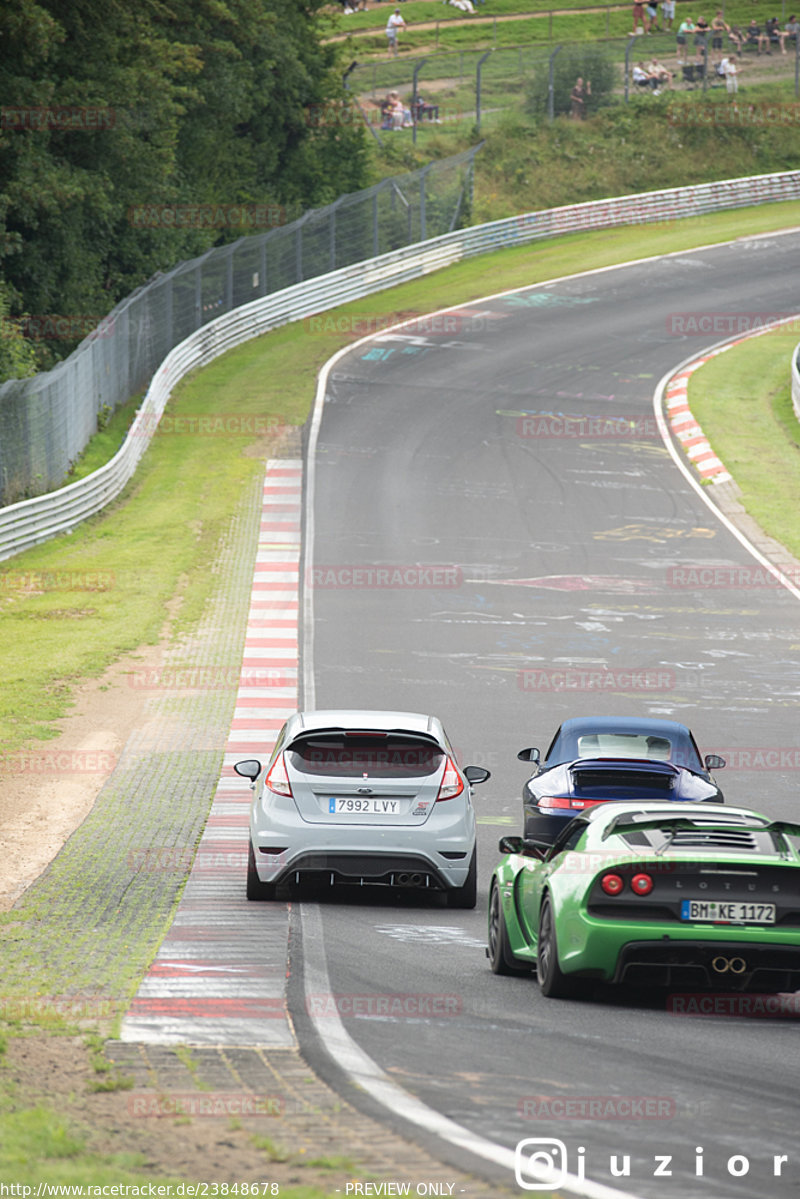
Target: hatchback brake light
x=452 y=783
x=277 y=779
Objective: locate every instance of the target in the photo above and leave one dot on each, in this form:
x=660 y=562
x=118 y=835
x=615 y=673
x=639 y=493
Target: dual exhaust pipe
x=408 y=880
x=723 y=965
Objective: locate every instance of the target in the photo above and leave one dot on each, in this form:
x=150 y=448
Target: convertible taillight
x=451 y=784
x=641 y=884
x=612 y=884
x=277 y=779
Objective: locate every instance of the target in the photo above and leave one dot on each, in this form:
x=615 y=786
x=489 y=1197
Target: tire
x=501 y=959
x=466 y=896
x=552 y=982
x=255 y=888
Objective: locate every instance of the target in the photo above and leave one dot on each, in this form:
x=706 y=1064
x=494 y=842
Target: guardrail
x=29 y=522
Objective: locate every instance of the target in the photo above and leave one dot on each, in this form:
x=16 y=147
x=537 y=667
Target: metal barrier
x=31 y=521
x=796 y=381
x=47 y=420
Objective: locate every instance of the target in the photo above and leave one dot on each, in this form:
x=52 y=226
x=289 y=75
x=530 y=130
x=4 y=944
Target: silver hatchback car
x=363 y=797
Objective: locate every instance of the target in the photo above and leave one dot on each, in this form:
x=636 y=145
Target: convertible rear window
x=343 y=756
x=624 y=745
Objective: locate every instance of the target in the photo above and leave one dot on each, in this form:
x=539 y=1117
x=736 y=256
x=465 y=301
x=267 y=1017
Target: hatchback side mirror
x=250 y=768
x=476 y=774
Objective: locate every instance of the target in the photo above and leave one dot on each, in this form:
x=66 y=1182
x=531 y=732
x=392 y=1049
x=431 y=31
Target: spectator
x=638 y=15
x=701 y=38
x=719 y=27
x=393 y=27
x=754 y=37
x=652 y=15
x=775 y=34
x=684 y=29
x=736 y=38
x=578 y=98
x=729 y=69
x=792 y=29
x=642 y=78
x=464 y=5
x=664 y=77
x=667 y=13
x=421 y=110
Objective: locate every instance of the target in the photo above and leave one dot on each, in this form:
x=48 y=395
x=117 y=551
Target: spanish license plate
x=343 y=804
x=723 y=912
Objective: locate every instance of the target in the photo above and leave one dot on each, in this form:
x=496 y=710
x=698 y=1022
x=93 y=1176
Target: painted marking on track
x=657 y=533
x=430 y=934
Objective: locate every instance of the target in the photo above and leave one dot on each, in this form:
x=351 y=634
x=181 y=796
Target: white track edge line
x=367 y=1075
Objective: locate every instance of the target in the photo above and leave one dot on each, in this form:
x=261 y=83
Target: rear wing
x=627 y=823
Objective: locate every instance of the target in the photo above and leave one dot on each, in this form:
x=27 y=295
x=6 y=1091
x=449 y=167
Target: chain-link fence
x=46 y=421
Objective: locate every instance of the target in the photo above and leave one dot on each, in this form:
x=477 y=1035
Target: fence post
x=375 y=240
x=628 y=48
x=417 y=68
x=198 y=296
x=550 y=88
x=481 y=61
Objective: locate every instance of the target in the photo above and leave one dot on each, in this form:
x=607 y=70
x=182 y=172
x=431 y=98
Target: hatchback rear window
x=354 y=756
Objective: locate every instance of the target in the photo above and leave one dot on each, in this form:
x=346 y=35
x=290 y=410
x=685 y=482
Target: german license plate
x=346 y=805
x=723 y=912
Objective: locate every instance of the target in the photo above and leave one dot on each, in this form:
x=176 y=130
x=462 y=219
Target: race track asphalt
x=447 y=447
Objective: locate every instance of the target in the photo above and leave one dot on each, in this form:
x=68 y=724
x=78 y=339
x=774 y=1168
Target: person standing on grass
x=730 y=70
x=701 y=38
x=578 y=98
x=668 y=13
x=638 y=15
x=393 y=27
x=719 y=27
x=682 y=38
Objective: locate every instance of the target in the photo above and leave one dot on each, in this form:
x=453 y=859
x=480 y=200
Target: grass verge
x=743 y=402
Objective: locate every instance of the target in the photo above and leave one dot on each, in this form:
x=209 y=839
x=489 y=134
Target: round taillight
x=641 y=884
x=612 y=884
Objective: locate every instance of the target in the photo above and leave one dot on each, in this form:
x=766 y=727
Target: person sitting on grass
x=754 y=37
x=736 y=38
x=642 y=77
x=663 y=76
x=776 y=35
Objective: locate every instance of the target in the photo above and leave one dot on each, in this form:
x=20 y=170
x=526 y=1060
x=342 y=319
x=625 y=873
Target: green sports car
x=652 y=894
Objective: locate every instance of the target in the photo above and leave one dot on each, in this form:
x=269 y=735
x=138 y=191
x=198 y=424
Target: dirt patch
x=47 y=791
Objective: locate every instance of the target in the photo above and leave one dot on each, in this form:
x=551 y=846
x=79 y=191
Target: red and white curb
x=686 y=428
x=211 y=982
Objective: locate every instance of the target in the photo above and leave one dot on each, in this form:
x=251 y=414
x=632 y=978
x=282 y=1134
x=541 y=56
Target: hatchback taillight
x=277 y=779
x=452 y=783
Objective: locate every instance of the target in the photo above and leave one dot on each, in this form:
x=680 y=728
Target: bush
x=593 y=63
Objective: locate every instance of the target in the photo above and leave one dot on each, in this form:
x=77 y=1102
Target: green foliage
x=198 y=102
x=594 y=64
